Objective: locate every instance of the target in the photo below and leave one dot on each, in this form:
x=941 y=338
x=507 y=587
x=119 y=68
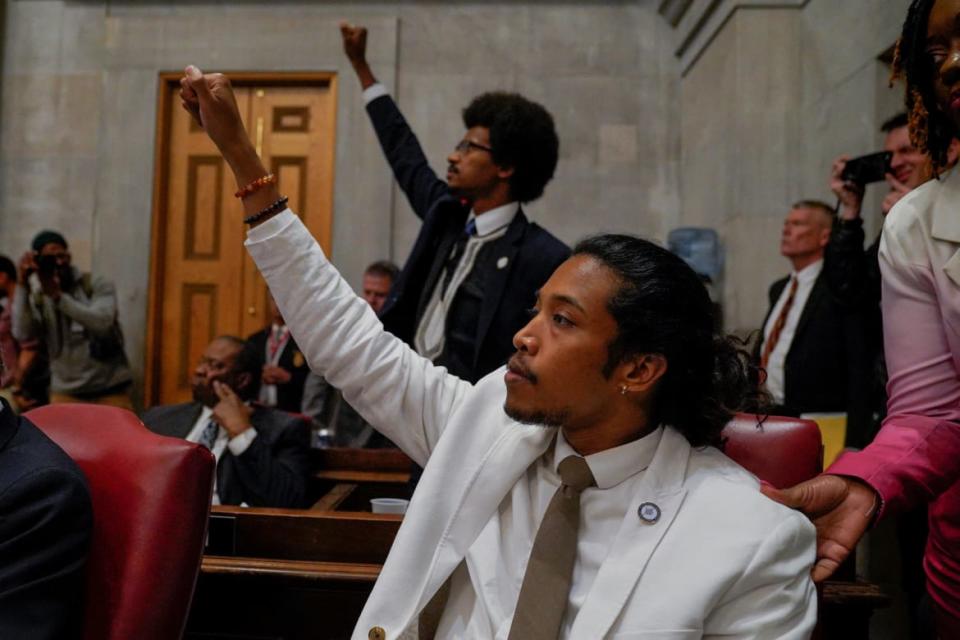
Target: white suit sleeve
x=774 y=599
x=400 y=393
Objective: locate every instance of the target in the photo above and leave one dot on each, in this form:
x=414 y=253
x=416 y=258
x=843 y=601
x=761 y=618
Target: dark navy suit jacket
x=272 y=472
x=46 y=520
x=828 y=366
x=529 y=252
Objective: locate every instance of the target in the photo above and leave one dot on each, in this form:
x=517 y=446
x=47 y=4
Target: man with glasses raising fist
x=478 y=260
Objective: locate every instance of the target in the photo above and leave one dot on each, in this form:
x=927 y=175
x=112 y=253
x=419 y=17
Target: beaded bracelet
x=256 y=185
x=276 y=207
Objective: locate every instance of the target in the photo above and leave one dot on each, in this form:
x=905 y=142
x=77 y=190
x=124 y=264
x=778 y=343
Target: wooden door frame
x=167 y=83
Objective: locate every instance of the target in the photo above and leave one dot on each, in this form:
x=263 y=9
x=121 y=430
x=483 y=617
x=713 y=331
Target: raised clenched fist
x=354 y=42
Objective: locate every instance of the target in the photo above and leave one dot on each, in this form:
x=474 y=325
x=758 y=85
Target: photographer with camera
x=852 y=271
x=75 y=315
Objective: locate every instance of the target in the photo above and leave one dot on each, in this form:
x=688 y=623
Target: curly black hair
x=7 y=267
x=931 y=131
x=523 y=137
x=662 y=307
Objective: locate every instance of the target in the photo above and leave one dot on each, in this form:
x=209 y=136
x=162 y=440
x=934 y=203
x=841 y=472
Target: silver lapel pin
x=649 y=512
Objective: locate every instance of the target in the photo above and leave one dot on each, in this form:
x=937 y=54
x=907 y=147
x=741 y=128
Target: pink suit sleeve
x=916 y=455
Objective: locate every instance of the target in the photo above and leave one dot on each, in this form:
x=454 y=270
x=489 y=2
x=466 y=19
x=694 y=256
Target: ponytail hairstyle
x=663 y=308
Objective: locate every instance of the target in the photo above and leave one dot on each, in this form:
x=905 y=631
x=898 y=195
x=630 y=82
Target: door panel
x=203 y=283
x=292 y=130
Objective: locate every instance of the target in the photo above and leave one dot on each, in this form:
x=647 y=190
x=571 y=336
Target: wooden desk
x=294 y=534
x=257 y=599
x=847 y=607
x=287 y=574
x=346 y=479
x=343 y=458
x=305 y=570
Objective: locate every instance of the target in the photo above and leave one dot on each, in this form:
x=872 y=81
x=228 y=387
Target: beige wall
x=749 y=128
x=775 y=97
x=77 y=137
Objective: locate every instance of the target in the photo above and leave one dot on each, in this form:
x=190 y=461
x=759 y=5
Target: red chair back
x=780 y=451
x=151 y=500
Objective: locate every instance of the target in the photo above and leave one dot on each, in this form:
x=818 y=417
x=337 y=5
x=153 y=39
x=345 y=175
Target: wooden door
x=203 y=283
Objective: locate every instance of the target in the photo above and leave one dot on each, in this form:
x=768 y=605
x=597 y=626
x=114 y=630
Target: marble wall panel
x=749 y=129
x=49 y=193
x=709 y=139
x=839 y=38
x=56 y=114
x=123 y=214
x=776 y=96
x=77 y=149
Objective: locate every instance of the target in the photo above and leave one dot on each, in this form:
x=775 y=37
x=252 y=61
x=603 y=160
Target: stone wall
x=774 y=98
x=79 y=113
x=728 y=141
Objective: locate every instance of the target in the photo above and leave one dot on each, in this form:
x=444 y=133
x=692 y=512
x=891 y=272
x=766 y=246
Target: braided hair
x=931 y=131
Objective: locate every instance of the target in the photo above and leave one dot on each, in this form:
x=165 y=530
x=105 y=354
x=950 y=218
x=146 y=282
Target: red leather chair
x=780 y=451
x=151 y=500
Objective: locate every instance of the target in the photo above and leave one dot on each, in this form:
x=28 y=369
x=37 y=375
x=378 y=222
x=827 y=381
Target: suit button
x=377 y=633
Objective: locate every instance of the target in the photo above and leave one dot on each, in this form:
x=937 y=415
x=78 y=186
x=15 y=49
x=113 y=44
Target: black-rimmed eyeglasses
x=464 y=146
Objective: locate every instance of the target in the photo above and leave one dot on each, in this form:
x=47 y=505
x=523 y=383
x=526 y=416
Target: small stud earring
x=623 y=389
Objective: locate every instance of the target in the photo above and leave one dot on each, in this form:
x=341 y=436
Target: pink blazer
x=916 y=456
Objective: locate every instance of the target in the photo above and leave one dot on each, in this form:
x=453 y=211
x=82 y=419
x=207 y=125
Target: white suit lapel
x=449 y=509
x=945 y=223
x=502 y=467
x=637 y=539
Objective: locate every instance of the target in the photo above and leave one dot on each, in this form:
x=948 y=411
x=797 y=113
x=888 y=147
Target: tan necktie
x=777 y=329
x=546 y=584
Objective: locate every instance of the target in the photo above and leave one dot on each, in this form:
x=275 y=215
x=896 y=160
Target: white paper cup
x=389 y=505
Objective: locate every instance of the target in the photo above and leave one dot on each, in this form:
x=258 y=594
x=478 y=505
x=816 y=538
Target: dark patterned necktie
x=457 y=254
x=778 y=326
x=209 y=435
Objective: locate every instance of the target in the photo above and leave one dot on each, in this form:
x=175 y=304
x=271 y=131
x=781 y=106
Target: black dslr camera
x=869 y=168
x=46 y=265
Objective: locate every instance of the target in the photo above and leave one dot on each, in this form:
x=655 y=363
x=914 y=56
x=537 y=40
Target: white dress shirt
x=482 y=602
x=279 y=334
x=373 y=92
x=237 y=444
x=431 y=333
x=806 y=278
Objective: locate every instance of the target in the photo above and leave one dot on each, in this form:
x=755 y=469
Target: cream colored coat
x=722 y=561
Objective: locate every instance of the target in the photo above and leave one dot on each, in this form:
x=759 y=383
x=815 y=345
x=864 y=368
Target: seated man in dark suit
x=284 y=367
x=262 y=453
x=46 y=520
x=478 y=261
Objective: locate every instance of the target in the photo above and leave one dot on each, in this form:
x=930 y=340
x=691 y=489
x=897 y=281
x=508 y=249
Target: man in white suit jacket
x=619 y=364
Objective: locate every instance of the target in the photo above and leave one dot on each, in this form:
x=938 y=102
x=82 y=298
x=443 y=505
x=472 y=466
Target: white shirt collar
x=495 y=219
x=809 y=273
x=206 y=413
x=613 y=466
